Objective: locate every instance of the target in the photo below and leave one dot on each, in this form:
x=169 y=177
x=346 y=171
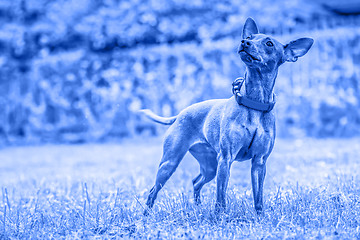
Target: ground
x=99 y=191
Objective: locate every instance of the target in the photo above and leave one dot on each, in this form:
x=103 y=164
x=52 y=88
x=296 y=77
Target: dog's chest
x=259 y=144
x=250 y=135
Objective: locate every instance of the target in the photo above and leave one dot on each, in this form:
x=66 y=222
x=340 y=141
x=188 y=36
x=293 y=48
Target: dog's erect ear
x=297 y=48
x=249 y=28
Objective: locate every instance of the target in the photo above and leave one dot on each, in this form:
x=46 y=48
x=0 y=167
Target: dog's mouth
x=252 y=57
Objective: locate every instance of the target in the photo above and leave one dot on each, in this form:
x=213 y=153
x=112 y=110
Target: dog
x=220 y=131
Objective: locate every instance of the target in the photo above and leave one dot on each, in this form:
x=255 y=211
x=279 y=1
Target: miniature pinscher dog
x=220 y=131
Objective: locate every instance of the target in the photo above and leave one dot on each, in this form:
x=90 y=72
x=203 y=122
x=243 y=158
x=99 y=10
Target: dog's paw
x=219 y=208
x=147 y=212
x=259 y=211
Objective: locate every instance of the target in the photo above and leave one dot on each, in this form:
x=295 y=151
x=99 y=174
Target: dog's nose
x=245 y=43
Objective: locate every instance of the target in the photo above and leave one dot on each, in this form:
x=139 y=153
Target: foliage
x=75 y=71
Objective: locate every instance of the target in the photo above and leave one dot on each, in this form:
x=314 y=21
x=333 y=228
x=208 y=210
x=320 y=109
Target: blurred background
x=74 y=71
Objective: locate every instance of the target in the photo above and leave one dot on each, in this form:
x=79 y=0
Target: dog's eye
x=269 y=44
x=248 y=37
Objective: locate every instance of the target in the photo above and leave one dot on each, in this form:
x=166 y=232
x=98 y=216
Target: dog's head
x=262 y=51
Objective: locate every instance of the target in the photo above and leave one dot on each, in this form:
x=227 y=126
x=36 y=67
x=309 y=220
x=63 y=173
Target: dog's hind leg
x=175 y=147
x=206 y=157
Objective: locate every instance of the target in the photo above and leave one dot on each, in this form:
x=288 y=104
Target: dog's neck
x=260 y=85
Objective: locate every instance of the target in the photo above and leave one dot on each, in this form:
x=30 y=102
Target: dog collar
x=243 y=100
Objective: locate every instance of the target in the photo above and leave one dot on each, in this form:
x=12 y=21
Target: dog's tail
x=158 y=119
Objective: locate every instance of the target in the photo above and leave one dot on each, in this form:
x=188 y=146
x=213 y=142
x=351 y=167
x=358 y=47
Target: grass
x=99 y=190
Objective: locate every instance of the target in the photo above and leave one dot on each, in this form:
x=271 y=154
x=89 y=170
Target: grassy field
x=99 y=191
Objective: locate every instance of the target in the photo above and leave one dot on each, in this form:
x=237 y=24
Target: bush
x=78 y=71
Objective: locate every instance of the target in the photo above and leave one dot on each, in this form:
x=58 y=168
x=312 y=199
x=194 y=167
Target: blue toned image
x=149 y=119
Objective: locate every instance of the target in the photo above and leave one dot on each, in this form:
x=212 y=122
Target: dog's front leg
x=223 y=174
x=258 y=171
